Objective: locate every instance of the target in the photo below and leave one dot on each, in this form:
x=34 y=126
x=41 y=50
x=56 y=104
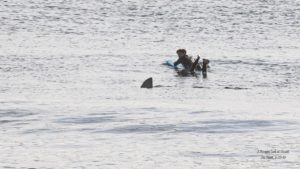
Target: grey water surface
x=71 y=70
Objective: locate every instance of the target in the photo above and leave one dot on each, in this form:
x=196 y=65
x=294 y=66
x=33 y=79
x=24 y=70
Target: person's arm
x=192 y=70
x=205 y=65
x=177 y=62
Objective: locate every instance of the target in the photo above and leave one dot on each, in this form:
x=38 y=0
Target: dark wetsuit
x=185 y=61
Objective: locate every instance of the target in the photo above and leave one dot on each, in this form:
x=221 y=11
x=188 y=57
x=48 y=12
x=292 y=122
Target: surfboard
x=170 y=64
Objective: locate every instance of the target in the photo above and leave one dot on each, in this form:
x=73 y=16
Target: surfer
x=183 y=59
x=188 y=64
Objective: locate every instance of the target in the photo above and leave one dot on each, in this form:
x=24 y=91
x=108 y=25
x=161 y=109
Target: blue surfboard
x=170 y=64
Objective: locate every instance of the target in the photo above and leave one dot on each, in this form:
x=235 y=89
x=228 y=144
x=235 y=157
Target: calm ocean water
x=70 y=72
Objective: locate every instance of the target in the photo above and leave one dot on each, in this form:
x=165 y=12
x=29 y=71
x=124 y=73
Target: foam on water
x=70 y=73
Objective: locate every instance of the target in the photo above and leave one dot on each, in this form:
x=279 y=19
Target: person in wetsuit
x=188 y=64
x=183 y=59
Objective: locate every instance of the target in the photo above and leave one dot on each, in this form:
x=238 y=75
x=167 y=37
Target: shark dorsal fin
x=148 y=83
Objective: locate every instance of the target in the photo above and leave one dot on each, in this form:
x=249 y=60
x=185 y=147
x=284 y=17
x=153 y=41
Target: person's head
x=205 y=61
x=181 y=52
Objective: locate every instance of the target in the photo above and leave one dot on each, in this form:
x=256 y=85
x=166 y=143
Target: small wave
x=86 y=120
x=236 y=88
x=15 y=113
x=215 y=126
